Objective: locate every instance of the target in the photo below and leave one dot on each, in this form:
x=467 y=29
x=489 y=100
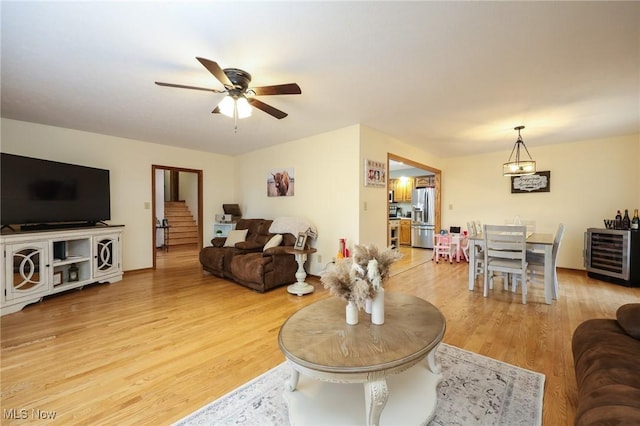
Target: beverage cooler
x=613 y=255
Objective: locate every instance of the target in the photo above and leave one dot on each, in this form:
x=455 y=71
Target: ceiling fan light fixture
x=226 y=106
x=230 y=105
x=517 y=166
x=244 y=109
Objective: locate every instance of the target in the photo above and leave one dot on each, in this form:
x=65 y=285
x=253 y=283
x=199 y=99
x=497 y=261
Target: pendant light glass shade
x=517 y=166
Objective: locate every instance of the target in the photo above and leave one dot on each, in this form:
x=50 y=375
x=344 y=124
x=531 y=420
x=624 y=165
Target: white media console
x=40 y=263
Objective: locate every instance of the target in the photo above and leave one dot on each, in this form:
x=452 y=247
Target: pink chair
x=442 y=247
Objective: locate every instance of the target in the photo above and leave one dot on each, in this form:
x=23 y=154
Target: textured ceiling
x=452 y=78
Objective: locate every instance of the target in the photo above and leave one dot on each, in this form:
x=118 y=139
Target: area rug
x=475 y=390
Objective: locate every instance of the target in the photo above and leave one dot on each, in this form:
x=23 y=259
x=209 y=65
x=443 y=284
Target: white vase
x=352 y=313
x=377 y=307
x=367 y=306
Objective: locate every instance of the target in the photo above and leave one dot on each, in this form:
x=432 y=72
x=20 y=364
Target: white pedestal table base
x=412 y=399
x=300 y=288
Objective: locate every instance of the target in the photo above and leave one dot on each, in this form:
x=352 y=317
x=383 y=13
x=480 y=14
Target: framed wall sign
x=375 y=173
x=537 y=182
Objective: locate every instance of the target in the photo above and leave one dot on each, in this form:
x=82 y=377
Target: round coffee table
x=338 y=358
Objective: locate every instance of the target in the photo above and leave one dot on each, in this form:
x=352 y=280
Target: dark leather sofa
x=606 y=354
x=247 y=263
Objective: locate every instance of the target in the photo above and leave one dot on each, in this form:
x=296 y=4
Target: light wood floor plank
x=161 y=344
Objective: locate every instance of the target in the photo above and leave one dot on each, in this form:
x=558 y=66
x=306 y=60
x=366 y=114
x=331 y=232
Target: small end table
x=165 y=233
x=300 y=288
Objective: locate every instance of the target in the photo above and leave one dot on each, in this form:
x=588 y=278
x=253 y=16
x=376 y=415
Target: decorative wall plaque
x=537 y=182
x=375 y=173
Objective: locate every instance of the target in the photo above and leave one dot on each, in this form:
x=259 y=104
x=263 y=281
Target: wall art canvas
x=375 y=173
x=537 y=182
x=281 y=182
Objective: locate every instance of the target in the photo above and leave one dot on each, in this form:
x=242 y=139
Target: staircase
x=183 y=228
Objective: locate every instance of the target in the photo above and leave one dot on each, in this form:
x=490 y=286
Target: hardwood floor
x=160 y=344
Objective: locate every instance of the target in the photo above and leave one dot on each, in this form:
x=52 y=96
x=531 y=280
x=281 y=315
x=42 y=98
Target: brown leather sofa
x=606 y=354
x=247 y=263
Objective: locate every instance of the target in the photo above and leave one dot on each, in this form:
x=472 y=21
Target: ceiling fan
x=240 y=97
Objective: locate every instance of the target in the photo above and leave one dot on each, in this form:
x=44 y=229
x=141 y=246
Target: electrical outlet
x=319 y=258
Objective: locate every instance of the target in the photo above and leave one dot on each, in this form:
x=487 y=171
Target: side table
x=165 y=232
x=301 y=287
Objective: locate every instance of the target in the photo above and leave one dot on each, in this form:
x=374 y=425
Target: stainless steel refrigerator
x=423 y=215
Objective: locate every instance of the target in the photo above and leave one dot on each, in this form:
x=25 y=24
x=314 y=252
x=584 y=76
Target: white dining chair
x=478 y=226
x=478 y=268
x=535 y=261
x=505 y=250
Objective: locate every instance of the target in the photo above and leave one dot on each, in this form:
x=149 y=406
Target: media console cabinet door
x=106 y=255
x=26 y=270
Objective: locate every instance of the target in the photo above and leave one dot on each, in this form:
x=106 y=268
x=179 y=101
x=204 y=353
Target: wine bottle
x=618 y=222
x=626 y=222
x=635 y=222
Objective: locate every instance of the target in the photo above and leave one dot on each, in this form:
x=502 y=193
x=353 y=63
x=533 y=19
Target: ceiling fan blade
x=182 y=86
x=267 y=108
x=279 y=89
x=217 y=72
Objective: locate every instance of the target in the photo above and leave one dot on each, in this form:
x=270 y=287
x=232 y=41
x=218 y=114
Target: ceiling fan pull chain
x=235 y=115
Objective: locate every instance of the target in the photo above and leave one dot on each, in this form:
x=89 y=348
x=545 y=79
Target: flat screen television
x=40 y=193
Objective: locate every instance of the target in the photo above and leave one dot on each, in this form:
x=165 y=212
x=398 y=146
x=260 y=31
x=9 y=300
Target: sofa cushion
x=607 y=374
x=628 y=317
x=249 y=267
x=235 y=236
x=273 y=242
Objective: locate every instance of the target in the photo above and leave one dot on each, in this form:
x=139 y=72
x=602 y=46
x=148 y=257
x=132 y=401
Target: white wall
x=130 y=164
x=375 y=146
x=188 y=191
x=326 y=187
x=590 y=180
x=160 y=194
x=330 y=191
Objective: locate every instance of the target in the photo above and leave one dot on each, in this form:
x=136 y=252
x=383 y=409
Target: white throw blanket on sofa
x=293 y=225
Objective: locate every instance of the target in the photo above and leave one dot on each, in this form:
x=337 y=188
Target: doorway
x=176 y=184
x=416 y=169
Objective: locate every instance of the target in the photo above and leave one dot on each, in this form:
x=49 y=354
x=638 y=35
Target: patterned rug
x=475 y=390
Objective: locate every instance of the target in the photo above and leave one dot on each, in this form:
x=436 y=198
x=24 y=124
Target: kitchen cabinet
x=402 y=188
x=425 y=181
x=405 y=232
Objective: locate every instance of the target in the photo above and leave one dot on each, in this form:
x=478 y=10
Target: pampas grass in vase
x=357 y=280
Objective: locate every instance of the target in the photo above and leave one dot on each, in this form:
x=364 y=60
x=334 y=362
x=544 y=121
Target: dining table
x=537 y=241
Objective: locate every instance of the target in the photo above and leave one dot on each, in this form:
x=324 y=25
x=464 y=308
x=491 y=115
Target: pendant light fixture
x=517 y=166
